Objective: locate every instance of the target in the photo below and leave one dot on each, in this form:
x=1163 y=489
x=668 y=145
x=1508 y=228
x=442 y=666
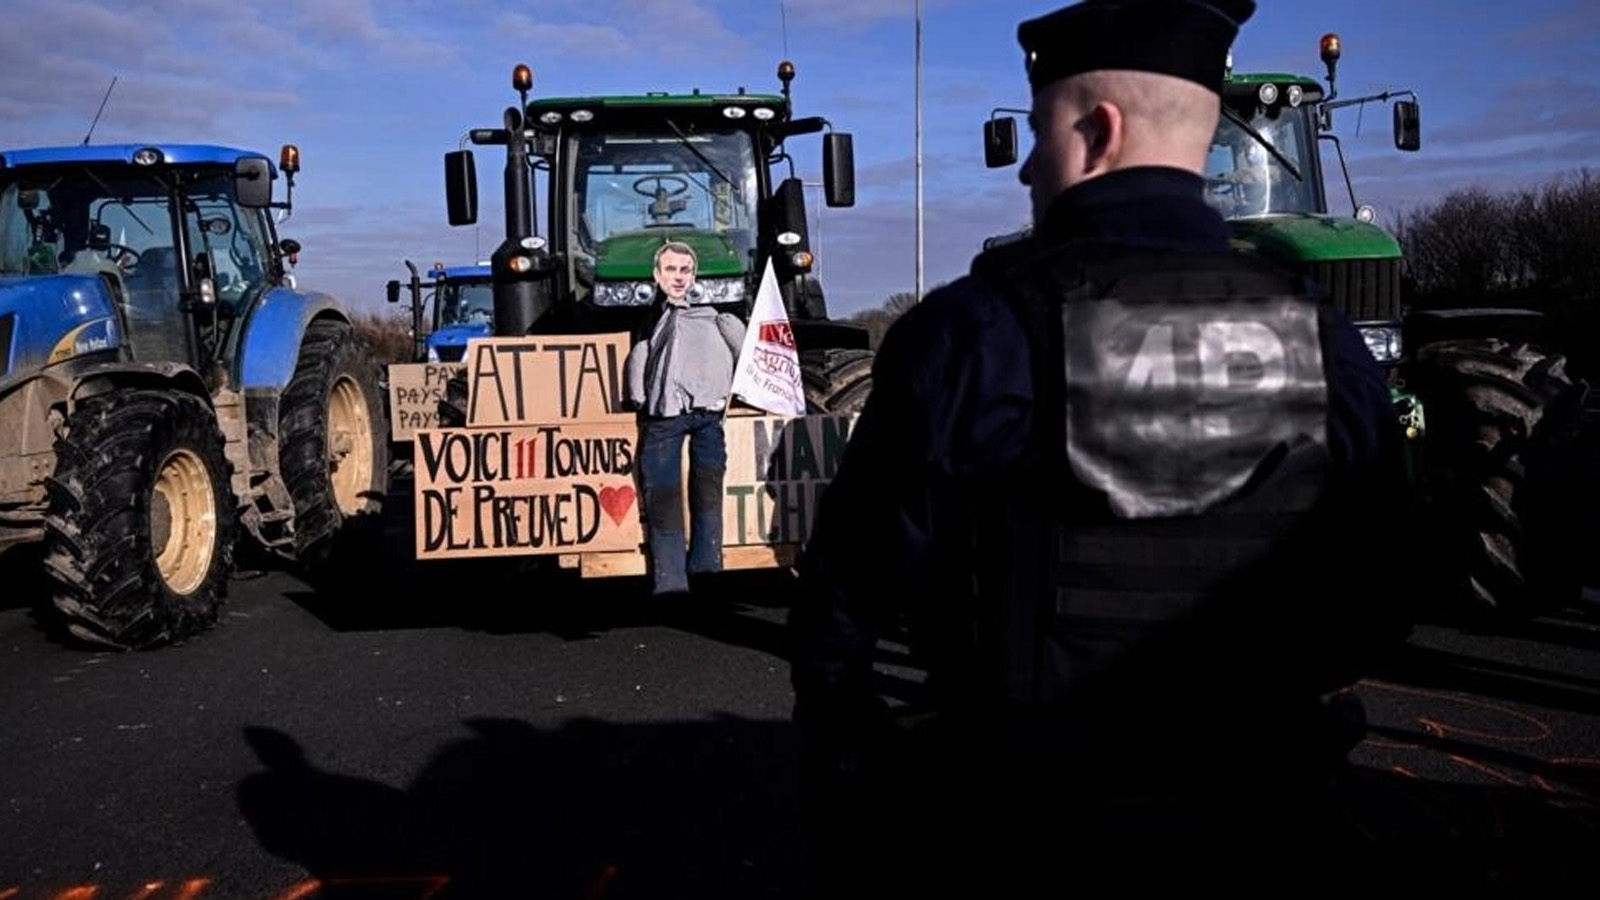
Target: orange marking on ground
x=1558 y=761
x=602 y=882
x=1485 y=769
x=81 y=892
x=303 y=889
x=192 y=888
x=1540 y=729
x=8 y=893
x=149 y=890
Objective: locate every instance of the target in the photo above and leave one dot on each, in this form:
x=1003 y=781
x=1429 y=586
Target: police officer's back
x=1122 y=476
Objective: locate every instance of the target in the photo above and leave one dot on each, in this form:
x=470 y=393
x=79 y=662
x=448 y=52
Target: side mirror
x=1407 y=125
x=838 y=170
x=807 y=125
x=252 y=182
x=999 y=142
x=290 y=248
x=461 y=187
x=392 y=289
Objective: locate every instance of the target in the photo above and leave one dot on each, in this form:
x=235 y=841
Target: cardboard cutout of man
x=679 y=373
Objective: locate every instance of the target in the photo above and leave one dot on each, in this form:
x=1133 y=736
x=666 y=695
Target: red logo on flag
x=777 y=333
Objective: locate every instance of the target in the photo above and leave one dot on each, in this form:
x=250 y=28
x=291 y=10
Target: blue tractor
x=165 y=387
x=463 y=309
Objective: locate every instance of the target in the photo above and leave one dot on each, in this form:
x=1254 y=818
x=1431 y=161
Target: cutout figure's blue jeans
x=661 y=478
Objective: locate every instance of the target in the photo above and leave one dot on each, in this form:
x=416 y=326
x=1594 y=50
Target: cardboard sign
x=558 y=488
x=541 y=379
x=777 y=469
x=415 y=390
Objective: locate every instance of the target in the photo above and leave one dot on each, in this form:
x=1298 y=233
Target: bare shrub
x=390 y=336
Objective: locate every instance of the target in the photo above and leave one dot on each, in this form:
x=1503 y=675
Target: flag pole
x=919 y=149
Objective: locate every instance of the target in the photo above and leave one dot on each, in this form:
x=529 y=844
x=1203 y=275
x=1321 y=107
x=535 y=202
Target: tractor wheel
x=836 y=380
x=1498 y=461
x=333 y=447
x=140 y=527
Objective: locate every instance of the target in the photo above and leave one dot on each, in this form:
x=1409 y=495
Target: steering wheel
x=123 y=256
x=680 y=185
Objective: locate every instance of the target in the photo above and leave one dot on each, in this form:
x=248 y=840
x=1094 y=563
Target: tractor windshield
x=1243 y=178
x=634 y=188
x=466 y=302
x=54 y=220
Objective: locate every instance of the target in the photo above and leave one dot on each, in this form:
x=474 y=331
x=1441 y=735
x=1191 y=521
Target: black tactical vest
x=1133 y=568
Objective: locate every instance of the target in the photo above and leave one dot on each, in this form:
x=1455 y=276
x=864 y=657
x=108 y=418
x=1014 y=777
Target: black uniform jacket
x=952 y=400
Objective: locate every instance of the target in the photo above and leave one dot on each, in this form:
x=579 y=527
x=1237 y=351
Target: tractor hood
x=631 y=256
x=1307 y=238
x=47 y=319
x=449 y=343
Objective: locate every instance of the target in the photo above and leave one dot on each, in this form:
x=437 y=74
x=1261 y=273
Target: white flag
x=767 y=375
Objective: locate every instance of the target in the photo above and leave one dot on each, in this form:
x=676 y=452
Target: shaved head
x=1101 y=121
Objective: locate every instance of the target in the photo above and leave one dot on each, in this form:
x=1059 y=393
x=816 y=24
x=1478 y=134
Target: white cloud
x=853 y=14
x=626 y=32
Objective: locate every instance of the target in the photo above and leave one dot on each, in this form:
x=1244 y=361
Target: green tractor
x=626 y=173
x=1489 y=411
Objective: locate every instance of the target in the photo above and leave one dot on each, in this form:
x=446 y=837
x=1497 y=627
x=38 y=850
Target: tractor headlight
x=1383 y=342
x=718 y=291
x=624 y=293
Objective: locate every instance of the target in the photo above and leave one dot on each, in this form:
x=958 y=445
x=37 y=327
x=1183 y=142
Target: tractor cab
x=463 y=308
x=625 y=175
x=1264 y=157
x=154 y=252
x=637 y=186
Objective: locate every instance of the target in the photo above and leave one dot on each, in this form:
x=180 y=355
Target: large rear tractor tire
x=1498 y=469
x=140 y=527
x=836 y=380
x=334 y=453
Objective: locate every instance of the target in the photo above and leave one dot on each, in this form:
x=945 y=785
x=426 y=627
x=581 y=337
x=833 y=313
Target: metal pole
x=919 y=150
x=816 y=244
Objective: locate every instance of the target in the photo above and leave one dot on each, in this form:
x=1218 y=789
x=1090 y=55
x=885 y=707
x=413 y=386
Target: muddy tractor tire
x=140 y=526
x=1498 y=463
x=836 y=380
x=333 y=449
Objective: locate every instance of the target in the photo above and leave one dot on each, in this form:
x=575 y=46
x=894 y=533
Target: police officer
x=1125 y=490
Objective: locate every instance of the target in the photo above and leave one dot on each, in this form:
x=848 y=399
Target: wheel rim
x=183 y=521
x=349 y=446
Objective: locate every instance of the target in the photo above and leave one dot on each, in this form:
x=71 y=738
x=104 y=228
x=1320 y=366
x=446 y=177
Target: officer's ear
x=1103 y=136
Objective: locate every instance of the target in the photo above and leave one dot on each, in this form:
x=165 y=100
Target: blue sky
x=375 y=91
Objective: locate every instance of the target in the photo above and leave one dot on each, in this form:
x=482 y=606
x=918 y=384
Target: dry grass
x=390 y=336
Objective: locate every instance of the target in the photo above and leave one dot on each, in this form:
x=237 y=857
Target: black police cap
x=1187 y=39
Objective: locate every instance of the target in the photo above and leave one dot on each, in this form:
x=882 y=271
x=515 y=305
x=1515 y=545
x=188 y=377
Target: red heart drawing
x=616 y=501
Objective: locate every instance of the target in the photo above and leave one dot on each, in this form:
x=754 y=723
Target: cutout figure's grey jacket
x=685 y=362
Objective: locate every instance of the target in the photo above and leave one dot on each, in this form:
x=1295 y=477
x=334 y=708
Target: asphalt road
x=483 y=741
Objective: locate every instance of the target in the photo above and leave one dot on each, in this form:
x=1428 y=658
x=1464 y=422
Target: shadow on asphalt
x=701 y=810
x=745 y=608
x=23 y=584
x=714 y=810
